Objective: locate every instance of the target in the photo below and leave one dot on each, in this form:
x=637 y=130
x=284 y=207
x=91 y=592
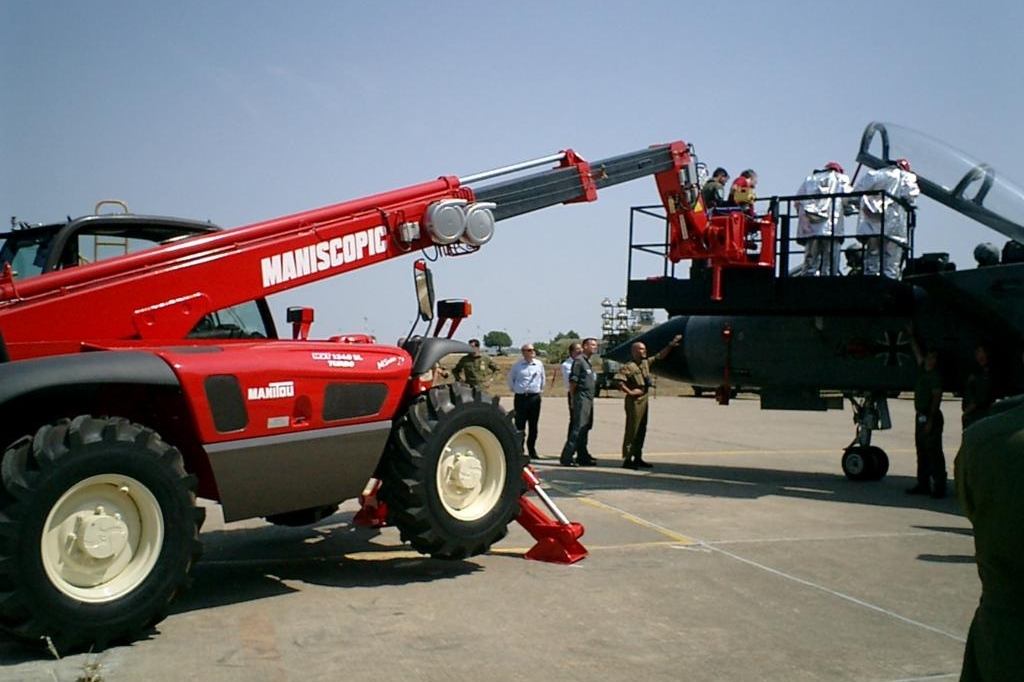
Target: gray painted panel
x=275 y=474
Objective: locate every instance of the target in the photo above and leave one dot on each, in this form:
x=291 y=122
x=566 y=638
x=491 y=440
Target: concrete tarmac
x=745 y=554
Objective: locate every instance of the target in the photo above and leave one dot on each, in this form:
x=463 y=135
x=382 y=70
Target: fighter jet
x=750 y=320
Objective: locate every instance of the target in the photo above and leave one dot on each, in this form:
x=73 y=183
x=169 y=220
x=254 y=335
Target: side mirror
x=424 y=289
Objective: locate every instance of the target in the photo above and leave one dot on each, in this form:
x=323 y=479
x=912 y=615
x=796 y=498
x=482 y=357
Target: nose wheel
x=865 y=463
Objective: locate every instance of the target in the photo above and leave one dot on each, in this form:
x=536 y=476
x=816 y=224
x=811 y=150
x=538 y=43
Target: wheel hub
x=471 y=473
x=99 y=535
x=466 y=472
x=855 y=463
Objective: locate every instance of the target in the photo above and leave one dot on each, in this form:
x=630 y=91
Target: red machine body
x=130 y=385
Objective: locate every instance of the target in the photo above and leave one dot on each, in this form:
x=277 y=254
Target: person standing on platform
x=882 y=227
x=713 y=191
x=820 y=219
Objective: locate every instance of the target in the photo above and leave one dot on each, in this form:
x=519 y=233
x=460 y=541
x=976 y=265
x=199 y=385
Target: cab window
x=243 y=321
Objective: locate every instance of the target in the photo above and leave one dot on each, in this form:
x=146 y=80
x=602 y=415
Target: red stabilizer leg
x=372 y=512
x=557 y=541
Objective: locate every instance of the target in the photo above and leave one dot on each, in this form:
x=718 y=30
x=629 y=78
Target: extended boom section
x=164 y=292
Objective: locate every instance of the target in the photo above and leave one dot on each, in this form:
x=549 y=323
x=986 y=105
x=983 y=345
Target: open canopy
x=949 y=176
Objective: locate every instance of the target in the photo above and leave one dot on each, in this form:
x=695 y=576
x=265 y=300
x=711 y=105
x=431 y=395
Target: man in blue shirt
x=526 y=381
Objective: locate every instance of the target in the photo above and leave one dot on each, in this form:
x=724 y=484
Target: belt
x=525 y=394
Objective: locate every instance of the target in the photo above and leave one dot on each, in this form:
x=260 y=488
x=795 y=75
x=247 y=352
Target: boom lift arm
x=162 y=293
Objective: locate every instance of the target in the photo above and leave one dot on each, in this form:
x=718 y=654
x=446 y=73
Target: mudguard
x=25 y=377
x=431 y=350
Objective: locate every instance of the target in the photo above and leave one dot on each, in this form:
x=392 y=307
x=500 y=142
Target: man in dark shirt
x=931 y=462
x=989 y=475
x=713 y=191
x=978 y=395
x=581 y=397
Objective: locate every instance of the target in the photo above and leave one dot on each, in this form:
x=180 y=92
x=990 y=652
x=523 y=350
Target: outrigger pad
x=556 y=543
x=372 y=512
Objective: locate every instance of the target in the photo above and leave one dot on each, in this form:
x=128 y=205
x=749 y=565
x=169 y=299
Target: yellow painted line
x=670 y=534
x=759 y=451
x=384 y=554
x=675 y=537
x=651 y=474
x=519 y=551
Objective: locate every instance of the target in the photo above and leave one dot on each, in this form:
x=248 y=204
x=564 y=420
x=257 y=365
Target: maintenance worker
x=582 y=382
x=474 y=368
x=883 y=220
x=575 y=348
x=820 y=219
x=928 y=422
x=634 y=379
x=978 y=391
x=713 y=191
x=989 y=472
x=526 y=381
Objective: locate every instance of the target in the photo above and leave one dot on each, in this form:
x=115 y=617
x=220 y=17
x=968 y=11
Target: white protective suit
x=820 y=221
x=879 y=212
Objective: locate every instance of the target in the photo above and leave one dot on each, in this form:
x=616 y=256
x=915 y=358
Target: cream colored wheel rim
x=102 y=538
x=471 y=473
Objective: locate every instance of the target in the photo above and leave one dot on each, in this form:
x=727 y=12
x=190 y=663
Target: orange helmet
x=903 y=163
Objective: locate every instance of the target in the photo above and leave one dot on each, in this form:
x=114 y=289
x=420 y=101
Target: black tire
x=879 y=463
x=100 y=529
x=452 y=477
x=857 y=463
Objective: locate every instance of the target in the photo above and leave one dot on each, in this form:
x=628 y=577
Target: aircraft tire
x=879 y=463
x=857 y=463
x=453 y=475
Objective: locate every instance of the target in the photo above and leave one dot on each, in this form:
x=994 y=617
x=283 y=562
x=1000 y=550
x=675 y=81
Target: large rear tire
x=98 y=531
x=452 y=478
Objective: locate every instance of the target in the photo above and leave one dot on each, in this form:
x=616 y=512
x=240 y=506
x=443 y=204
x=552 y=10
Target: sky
x=238 y=112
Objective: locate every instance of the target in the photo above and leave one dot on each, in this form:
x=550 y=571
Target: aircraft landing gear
x=863 y=461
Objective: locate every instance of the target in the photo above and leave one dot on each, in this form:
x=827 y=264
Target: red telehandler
x=130 y=385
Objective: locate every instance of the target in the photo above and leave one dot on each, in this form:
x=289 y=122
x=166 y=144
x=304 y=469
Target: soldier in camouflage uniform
x=475 y=369
x=634 y=379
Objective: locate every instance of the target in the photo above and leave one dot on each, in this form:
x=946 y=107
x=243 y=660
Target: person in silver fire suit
x=820 y=219
x=883 y=221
